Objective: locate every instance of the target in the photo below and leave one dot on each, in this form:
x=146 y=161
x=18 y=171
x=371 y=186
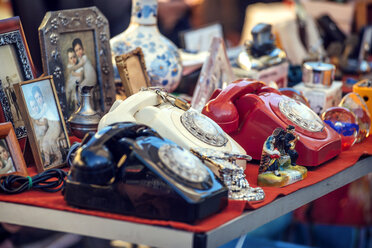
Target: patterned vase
x=161 y=55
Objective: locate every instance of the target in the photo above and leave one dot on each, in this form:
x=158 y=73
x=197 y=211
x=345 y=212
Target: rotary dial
x=183 y=163
x=203 y=128
x=301 y=115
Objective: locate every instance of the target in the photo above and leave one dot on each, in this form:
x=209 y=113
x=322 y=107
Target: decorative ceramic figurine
x=355 y=103
x=161 y=55
x=278 y=161
x=85 y=119
x=344 y=122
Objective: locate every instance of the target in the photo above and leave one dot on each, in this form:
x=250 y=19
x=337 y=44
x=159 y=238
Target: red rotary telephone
x=249 y=111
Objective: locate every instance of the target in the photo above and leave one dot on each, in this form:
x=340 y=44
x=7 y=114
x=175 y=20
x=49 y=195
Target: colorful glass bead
x=344 y=122
x=355 y=103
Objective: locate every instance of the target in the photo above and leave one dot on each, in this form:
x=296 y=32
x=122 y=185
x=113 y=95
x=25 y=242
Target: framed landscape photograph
x=132 y=71
x=11 y=158
x=76 y=51
x=16 y=66
x=44 y=120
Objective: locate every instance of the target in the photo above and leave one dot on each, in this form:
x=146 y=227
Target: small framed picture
x=44 y=120
x=216 y=73
x=132 y=70
x=11 y=158
x=16 y=66
x=76 y=51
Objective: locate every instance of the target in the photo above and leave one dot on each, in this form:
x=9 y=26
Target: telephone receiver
x=249 y=111
x=225 y=103
x=187 y=128
x=129 y=110
x=129 y=168
x=97 y=160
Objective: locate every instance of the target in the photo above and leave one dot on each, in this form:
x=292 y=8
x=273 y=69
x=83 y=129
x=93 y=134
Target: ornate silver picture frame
x=16 y=66
x=76 y=51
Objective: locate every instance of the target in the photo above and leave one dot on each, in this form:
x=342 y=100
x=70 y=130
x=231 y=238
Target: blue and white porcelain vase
x=161 y=55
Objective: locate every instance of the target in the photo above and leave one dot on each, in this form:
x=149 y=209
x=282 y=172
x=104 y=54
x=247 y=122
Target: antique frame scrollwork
x=58 y=23
x=12 y=36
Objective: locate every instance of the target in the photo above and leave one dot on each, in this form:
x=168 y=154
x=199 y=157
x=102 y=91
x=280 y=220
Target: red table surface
x=234 y=208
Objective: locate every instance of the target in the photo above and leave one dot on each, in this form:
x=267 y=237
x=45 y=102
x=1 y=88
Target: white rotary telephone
x=172 y=119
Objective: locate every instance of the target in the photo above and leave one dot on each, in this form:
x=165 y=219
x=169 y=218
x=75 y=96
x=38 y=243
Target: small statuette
x=278 y=160
x=223 y=164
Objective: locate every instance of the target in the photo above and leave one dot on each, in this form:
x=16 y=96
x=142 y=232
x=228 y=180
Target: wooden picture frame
x=132 y=71
x=16 y=66
x=57 y=35
x=11 y=157
x=216 y=73
x=44 y=120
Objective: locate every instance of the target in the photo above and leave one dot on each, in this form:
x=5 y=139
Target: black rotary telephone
x=129 y=169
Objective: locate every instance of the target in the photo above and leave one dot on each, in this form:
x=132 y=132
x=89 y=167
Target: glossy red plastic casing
x=249 y=112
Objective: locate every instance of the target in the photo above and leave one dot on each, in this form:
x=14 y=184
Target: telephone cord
x=51 y=180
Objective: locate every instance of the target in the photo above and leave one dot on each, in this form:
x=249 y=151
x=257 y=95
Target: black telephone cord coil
x=51 y=180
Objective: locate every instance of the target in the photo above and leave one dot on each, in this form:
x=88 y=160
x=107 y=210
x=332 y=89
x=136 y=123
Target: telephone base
x=141 y=201
x=288 y=175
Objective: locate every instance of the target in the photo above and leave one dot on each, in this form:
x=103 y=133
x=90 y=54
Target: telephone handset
x=186 y=127
x=128 y=168
x=249 y=111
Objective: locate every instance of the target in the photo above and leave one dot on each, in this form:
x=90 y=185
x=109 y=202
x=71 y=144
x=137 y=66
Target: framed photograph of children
x=76 y=51
x=11 y=158
x=132 y=71
x=16 y=66
x=44 y=120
